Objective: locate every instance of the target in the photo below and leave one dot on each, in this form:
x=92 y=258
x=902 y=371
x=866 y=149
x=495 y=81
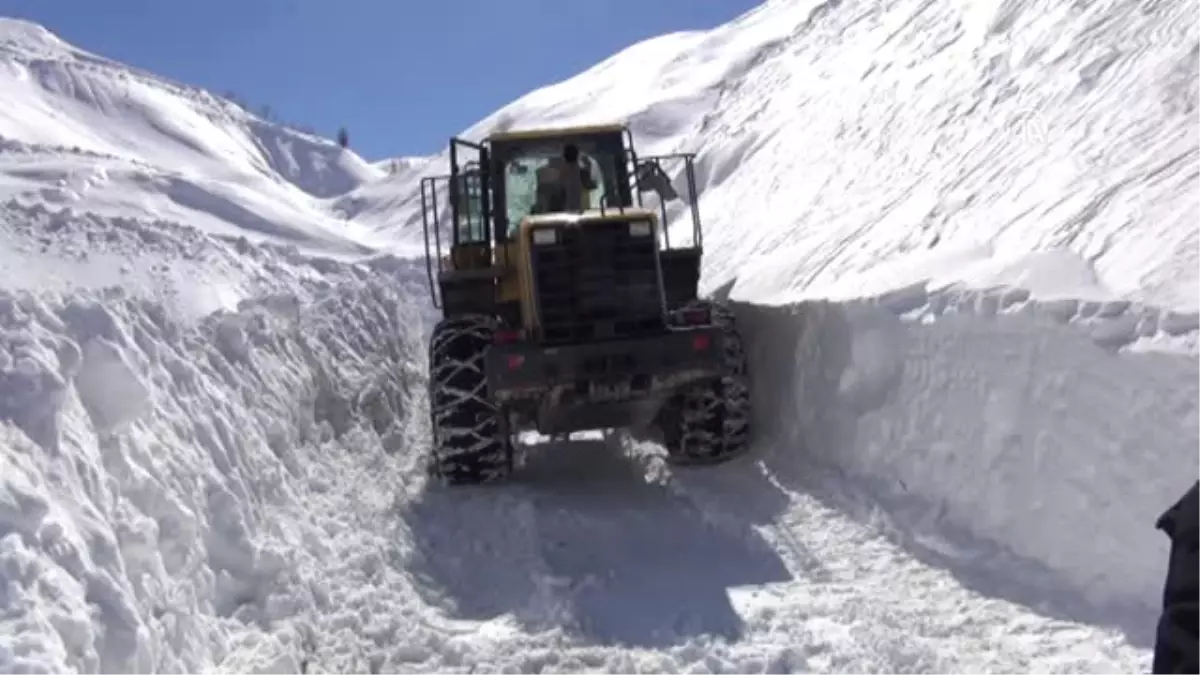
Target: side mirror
x=651 y=178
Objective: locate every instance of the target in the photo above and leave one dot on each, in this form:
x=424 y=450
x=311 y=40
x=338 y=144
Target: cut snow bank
x=993 y=432
x=168 y=493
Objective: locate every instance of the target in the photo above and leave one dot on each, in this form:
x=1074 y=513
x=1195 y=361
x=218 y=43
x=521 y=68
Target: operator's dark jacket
x=1175 y=645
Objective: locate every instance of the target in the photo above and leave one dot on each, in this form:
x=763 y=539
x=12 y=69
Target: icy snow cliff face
x=160 y=484
x=1017 y=126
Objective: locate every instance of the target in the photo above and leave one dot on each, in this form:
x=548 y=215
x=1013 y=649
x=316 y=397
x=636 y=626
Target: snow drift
x=246 y=492
x=161 y=484
x=988 y=429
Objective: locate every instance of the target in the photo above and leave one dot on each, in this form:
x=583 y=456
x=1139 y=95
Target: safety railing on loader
x=431 y=219
x=466 y=195
x=653 y=176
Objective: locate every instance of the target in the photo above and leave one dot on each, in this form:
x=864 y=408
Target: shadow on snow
x=581 y=540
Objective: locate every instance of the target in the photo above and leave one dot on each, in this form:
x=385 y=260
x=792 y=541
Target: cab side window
x=468 y=195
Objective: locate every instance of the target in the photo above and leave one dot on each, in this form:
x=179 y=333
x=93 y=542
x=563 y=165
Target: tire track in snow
x=583 y=544
x=859 y=602
x=647 y=570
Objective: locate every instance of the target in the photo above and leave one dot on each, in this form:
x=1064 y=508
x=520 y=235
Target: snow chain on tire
x=713 y=418
x=470 y=443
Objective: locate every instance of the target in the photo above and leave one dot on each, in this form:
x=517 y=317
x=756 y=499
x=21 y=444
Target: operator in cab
x=564 y=182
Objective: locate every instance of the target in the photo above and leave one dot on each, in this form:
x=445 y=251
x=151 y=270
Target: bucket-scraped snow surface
x=961 y=238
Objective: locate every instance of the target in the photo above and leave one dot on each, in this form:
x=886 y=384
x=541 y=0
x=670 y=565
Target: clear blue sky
x=401 y=75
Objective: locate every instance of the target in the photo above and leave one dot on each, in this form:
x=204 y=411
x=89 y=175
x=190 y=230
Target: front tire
x=709 y=423
x=470 y=443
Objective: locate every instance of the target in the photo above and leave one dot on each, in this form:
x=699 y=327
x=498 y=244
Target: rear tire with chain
x=470 y=444
x=709 y=423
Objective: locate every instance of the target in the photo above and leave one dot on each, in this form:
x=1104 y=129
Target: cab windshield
x=521 y=182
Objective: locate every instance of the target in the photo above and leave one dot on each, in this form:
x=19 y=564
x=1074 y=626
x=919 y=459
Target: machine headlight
x=545 y=235
x=640 y=228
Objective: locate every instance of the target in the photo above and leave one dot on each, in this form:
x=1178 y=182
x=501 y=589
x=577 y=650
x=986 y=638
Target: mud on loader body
x=572 y=316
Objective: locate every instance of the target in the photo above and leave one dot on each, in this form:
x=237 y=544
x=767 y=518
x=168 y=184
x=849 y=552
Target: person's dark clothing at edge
x=1177 y=641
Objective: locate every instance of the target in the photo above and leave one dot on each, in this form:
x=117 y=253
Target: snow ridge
x=163 y=483
x=244 y=493
x=981 y=427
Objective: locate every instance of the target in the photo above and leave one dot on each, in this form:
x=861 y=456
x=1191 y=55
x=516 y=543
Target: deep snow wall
x=158 y=480
x=1020 y=443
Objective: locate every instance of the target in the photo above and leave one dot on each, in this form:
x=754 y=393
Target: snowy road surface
x=731 y=571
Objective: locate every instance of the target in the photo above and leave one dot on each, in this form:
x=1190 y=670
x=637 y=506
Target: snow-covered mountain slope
x=1018 y=126
x=663 y=87
x=833 y=136
x=210 y=448
x=88 y=133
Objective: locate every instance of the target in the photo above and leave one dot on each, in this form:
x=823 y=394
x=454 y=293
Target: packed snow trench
x=244 y=492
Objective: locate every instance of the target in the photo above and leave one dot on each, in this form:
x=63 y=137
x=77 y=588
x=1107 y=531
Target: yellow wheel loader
x=565 y=305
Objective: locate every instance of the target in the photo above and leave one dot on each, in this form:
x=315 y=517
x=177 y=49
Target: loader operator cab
x=574 y=186
x=565 y=183
x=553 y=178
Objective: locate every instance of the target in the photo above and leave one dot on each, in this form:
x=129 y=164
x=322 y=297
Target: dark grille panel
x=597 y=283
